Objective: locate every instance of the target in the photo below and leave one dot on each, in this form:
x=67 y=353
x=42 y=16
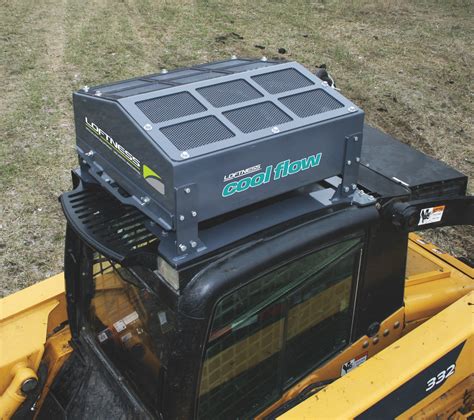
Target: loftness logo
x=111 y=143
x=281 y=170
x=242 y=172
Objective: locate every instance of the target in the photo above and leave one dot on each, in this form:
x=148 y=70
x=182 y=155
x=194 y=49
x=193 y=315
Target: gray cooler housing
x=188 y=145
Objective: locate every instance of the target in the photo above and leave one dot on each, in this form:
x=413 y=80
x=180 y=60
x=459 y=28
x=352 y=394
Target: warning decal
x=431 y=215
x=353 y=363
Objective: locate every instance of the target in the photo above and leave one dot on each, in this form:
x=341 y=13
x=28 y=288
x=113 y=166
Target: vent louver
x=170 y=107
x=257 y=117
x=195 y=133
x=310 y=103
x=282 y=81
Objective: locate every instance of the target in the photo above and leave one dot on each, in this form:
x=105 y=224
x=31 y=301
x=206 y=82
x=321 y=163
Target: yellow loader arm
x=425 y=374
x=32 y=330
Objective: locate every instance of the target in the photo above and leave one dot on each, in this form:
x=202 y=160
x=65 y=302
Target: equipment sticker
x=103 y=335
x=121 y=324
x=353 y=363
x=431 y=215
x=270 y=173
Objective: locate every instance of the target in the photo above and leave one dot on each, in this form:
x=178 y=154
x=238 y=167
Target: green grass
x=407 y=64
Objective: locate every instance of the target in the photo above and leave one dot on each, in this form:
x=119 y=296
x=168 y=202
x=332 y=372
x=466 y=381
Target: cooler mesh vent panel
x=229 y=93
x=169 y=107
x=256 y=117
x=310 y=103
x=282 y=81
x=196 y=133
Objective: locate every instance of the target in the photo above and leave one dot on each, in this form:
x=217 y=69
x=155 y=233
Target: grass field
x=408 y=64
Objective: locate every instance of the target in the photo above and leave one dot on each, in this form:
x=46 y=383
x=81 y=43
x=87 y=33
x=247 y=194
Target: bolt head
x=233 y=57
x=164 y=71
x=346 y=189
x=182 y=247
x=349 y=163
x=187 y=190
x=85 y=88
x=324 y=84
x=194 y=213
x=356 y=138
x=352 y=109
x=29 y=385
x=353 y=186
x=181 y=217
x=184 y=155
x=98 y=93
x=145 y=200
x=275 y=130
x=90 y=153
x=148 y=127
x=193 y=244
x=264 y=58
x=357 y=159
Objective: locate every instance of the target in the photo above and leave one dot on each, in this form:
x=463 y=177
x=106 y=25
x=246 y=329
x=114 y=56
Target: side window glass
x=270 y=332
x=319 y=318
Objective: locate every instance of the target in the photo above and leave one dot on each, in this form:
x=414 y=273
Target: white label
x=102 y=336
x=130 y=318
x=162 y=317
x=353 y=363
x=120 y=326
x=431 y=215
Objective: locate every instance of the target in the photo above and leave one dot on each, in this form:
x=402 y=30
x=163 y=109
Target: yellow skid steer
x=240 y=244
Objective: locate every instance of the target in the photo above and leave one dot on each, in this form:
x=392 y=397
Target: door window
x=272 y=331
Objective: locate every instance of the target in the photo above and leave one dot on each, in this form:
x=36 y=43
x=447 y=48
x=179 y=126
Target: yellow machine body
x=398 y=382
x=33 y=330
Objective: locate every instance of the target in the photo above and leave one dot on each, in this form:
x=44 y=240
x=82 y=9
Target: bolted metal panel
x=198 y=77
x=144 y=88
x=310 y=103
x=225 y=64
x=256 y=117
x=282 y=81
x=191 y=134
x=229 y=93
x=170 y=107
x=251 y=66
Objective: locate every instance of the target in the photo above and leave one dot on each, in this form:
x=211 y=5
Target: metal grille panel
x=169 y=107
x=195 y=133
x=256 y=117
x=310 y=103
x=282 y=81
x=229 y=93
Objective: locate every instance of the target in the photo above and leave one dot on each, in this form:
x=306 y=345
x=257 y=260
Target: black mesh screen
x=229 y=93
x=256 y=117
x=195 y=133
x=282 y=81
x=311 y=103
x=169 y=107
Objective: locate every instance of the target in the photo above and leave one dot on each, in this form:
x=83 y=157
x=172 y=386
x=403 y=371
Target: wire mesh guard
x=115 y=230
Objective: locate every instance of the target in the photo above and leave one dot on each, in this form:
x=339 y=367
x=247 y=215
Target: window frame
x=360 y=234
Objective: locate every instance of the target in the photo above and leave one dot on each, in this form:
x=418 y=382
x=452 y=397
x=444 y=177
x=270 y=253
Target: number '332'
x=440 y=377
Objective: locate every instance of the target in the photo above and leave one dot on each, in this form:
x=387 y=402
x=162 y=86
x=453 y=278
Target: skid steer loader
x=240 y=244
